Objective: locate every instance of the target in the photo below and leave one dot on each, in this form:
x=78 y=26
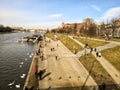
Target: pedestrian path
x=65 y=71
x=114 y=73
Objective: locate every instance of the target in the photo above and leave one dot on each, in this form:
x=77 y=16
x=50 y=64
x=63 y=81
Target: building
x=79 y=27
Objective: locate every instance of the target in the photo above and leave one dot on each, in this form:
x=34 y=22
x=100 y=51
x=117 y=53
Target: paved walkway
x=102 y=40
x=115 y=74
x=65 y=71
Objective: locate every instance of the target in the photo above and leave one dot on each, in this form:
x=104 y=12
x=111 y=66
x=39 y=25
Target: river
x=12 y=54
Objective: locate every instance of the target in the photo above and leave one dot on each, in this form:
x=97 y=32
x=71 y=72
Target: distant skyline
x=51 y=13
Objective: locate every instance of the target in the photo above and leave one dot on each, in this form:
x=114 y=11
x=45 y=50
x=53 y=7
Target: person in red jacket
x=35 y=71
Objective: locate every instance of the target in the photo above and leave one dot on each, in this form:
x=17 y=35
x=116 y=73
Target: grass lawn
x=50 y=35
x=115 y=39
x=98 y=73
x=113 y=56
x=91 y=43
x=69 y=43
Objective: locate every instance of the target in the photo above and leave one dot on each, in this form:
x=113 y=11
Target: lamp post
x=85 y=28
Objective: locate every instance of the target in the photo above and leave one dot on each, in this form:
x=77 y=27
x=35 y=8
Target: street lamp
x=86 y=45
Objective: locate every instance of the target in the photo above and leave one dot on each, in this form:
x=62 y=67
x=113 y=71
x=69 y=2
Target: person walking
x=40 y=74
x=99 y=54
x=42 y=57
x=95 y=49
x=96 y=54
x=35 y=71
x=56 y=57
x=91 y=49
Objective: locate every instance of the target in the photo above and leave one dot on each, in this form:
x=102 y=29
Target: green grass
x=113 y=56
x=95 y=69
x=69 y=43
x=111 y=39
x=115 y=39
x=91 y=43
x=50 y=35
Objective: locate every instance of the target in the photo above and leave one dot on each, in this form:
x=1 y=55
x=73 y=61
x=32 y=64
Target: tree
x=75 y=28
x=113 y=26
x=53 y=30
x=102 y=28
x=92 y=30
x=5 y=29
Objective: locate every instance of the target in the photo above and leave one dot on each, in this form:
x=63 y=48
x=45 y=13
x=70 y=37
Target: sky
x=48 y=14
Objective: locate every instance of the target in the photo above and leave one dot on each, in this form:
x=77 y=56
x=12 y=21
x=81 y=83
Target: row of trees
x=92 y=29
x=5 y=29
x=75 y=29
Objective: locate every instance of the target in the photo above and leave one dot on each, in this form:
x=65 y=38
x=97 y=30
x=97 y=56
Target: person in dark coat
x=91 y=49
x=56 y=57
x=95 y=49
x=40 y=74
x=97 y=54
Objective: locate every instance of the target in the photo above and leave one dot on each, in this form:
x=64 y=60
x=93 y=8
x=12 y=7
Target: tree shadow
x=88 y=76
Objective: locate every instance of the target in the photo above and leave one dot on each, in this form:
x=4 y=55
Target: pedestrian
x=56 y=57
x=95 y=49
x=40 y=46
x=51 y=49
x=97 y=54
x=42 y=57
x=36 y=52
x=35 y=71
x=39 y=50
x=75 y=52
x=91 y=49
x=40 y=74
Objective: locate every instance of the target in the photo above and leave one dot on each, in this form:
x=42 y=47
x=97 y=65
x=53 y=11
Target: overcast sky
x=50 y=13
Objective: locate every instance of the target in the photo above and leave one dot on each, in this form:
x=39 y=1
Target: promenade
x=63 y=72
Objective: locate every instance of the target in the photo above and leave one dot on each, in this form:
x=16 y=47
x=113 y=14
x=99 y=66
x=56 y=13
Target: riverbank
x=31 y=80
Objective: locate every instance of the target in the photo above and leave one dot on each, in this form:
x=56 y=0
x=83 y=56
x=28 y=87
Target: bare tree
x=92 y=30
x=102 y=28
x=113 y=26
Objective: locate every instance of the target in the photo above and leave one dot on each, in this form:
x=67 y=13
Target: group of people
x=39 y=52
x=98 y=54
x=52 y=49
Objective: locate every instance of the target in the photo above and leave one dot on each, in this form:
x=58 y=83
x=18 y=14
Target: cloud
x=10 y=15
x=111 y=13
x=96 y=8
x=55 y=15
x=13 y=17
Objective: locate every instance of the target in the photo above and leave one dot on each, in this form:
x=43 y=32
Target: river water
x=12 y=54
